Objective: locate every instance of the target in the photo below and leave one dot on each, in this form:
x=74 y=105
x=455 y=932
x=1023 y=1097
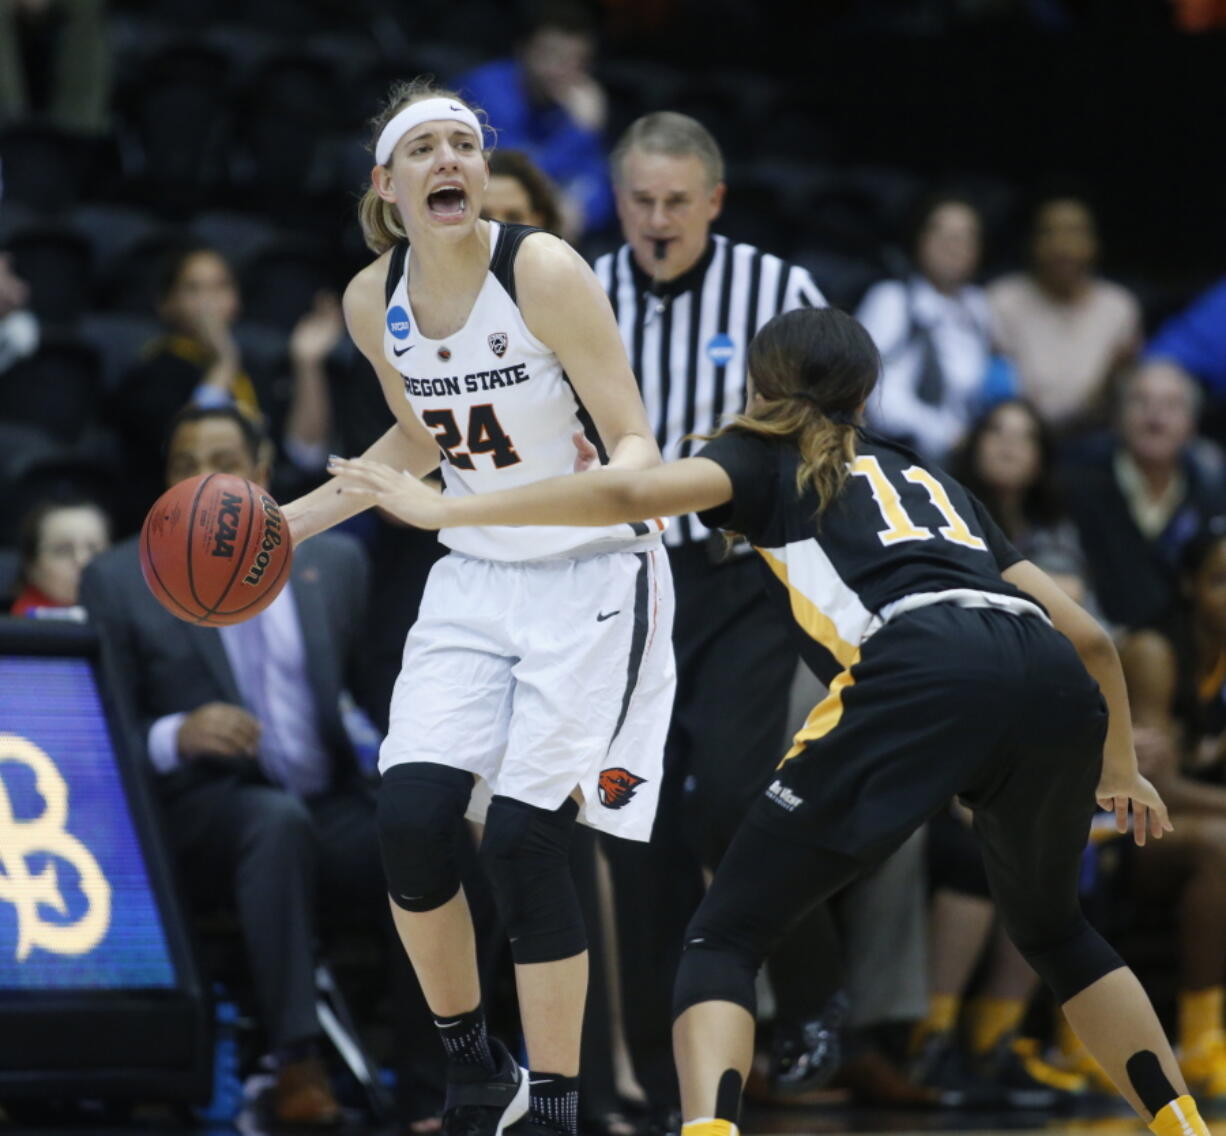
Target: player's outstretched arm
x=598 y=497
x=1121 y=781
x=406 y=446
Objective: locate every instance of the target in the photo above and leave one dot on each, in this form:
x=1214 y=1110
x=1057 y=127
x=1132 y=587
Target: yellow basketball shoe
x=1204 y=1067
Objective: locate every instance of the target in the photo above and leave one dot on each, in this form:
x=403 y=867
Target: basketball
x=215 y=549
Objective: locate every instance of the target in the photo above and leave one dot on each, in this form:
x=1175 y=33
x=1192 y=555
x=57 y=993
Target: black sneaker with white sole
x=483 y=1104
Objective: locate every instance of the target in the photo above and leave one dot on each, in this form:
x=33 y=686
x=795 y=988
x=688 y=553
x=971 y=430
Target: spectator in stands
x=57 y=540
x=1176 y=675
x=520 y=193
x=933 y=331
x=198 y=361
x=1066 y=329
x=545 y=101
x=1138 y=503
x=267 y=810
x=73 y=35
x=1196 y=339
x=1008 y=462
x=18 y=325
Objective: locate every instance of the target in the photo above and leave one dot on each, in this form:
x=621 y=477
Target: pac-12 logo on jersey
x=616 y=787
x=498 y=343
x=720 y=349
x=398 y=322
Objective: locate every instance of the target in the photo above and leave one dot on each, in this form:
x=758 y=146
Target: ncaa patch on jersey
x=720 y=349
x=398 y=322
x=498 y=343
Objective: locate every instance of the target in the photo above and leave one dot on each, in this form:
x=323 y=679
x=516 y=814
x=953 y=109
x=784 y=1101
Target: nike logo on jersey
x=398 y=351
x=602 y=616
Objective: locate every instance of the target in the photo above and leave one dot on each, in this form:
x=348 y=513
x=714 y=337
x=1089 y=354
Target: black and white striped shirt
x=687 y=339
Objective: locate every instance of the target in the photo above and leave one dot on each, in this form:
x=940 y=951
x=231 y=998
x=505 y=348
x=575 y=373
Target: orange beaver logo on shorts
x=617 y=787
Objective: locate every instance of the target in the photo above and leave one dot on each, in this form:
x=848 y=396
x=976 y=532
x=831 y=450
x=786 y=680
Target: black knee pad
x=526 y=854
x=1074 y=962
x=420 y=816
x=714 y=969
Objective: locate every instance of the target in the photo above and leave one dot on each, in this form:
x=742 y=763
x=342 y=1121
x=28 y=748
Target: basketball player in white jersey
x=540 y=669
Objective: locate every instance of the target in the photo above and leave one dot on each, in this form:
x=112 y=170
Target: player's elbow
x=1092 y=641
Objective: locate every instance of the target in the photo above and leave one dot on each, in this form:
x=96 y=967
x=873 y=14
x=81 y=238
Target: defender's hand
x=1148 y=811
x=400 y=494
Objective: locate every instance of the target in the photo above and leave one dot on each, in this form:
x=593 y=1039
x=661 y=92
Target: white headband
x=427 y=110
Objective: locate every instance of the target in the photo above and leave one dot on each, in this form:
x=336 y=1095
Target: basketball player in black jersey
x=945 y=678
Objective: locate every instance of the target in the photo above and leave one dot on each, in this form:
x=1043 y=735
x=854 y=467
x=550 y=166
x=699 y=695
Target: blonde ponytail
x=381 y=225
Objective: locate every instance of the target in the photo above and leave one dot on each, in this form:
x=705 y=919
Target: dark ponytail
x=812 y=370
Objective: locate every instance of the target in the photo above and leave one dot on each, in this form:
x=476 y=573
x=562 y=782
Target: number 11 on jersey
x=899 y=526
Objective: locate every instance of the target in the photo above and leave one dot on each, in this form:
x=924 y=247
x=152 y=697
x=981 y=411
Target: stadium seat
x=118 y=338
x=636 y=87
x=842 y=279
x=846 y=219
x=795 y=125
x=10 y=568
x=237 y=236
x=113 y=232
x=43 y=167
x=56 y=261
x=264 y=348
x=279 y=284
x=58 y=389
x=755 y=211
x=183 y=84
x=132 y=283
x=58 y=474
x=286 y=111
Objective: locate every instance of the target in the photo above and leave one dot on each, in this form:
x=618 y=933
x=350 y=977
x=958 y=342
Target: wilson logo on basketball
x=227 y=525
x=498 y=343
x=272 y=540
x=617 y=787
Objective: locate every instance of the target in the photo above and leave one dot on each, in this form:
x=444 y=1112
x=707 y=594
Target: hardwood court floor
x=757 y=1122
x=1104 y=1118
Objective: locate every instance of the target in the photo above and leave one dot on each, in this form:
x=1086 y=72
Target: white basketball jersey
x=499 y=404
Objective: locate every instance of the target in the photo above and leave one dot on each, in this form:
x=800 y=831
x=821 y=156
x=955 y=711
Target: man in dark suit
x=266 y=807
x=1139 y=501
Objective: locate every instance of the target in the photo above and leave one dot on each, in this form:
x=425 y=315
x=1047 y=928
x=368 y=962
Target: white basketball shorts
x=543 y=677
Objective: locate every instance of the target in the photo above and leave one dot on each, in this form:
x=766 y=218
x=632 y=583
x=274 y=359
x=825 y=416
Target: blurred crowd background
x=1016 y=197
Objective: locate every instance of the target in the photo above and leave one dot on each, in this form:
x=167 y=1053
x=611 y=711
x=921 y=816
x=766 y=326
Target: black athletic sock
x=465 y=1039
x=554 y=1102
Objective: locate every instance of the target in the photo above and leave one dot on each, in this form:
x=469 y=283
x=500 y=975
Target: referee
x=687 y=302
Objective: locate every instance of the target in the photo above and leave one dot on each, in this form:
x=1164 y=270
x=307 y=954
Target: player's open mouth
x=449 y=202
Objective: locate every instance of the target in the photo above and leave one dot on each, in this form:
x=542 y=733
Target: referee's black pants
x=735 y=664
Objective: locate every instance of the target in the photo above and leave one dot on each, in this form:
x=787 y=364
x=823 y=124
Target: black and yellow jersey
x=900 y=528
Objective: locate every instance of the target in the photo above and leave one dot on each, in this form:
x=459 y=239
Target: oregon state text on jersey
x=499 y=404
x=899 y=528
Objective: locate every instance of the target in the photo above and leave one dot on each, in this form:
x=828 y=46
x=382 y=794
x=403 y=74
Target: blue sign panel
x=77 y=911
